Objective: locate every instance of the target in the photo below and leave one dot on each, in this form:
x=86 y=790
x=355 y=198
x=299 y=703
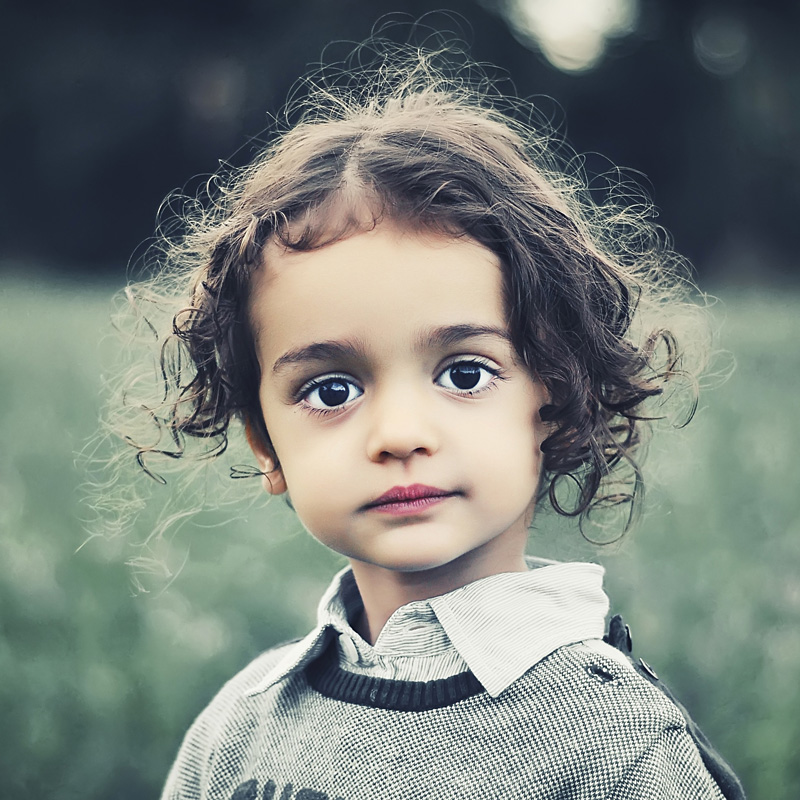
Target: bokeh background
x=106 y=107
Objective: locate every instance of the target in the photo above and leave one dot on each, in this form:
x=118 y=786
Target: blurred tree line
x=106 y=107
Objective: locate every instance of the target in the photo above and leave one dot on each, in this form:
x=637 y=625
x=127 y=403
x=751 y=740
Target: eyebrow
x=448 y=335
x=442 y=337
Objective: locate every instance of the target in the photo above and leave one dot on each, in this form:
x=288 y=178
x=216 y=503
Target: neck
x=383 y=591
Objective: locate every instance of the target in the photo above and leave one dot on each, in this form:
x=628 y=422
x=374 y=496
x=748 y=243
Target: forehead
x=387 y=282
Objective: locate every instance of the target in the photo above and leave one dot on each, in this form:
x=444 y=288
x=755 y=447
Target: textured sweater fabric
x=297 y=724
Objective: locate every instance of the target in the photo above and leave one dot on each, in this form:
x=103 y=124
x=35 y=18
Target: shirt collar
x=500 y=625
x=504 y=624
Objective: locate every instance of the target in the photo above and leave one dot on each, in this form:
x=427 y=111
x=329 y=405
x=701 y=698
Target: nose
x=401 y=425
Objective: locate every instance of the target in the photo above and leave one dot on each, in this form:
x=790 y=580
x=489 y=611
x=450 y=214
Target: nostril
x=401 y=440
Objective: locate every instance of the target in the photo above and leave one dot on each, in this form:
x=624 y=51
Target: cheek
x=307 y=467
x=513 y=469
x=512 y=438
x=316 y=477
x=510 y=458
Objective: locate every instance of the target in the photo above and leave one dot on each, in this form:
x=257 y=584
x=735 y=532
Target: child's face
x=407 y=433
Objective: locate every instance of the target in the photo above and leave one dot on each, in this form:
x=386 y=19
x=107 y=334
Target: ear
x=273 y=480
x=544 y=398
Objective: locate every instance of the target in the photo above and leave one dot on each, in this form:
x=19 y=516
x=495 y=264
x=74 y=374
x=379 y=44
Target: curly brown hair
x=412 y=146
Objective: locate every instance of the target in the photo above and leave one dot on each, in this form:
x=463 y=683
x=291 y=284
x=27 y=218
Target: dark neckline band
x=329 y=679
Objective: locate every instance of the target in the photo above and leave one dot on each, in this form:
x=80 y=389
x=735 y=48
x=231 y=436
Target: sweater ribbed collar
x=500 y=625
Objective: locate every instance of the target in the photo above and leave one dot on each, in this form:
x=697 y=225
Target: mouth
x=409 y=499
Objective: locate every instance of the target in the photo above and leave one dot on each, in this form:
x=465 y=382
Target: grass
x=100 y=683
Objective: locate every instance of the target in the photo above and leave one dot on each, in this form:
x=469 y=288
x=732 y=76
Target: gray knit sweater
x=579 y=723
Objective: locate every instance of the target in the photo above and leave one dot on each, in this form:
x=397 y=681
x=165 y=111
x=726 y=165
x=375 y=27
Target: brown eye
x=466 y=376
x=334 y=393
x=330 y=392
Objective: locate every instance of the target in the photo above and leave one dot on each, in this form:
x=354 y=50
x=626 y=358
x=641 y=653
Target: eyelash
x=317 y=383
x=473 y=361
x=302 y=395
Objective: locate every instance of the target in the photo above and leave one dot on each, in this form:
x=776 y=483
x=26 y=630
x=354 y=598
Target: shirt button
x=349 y=649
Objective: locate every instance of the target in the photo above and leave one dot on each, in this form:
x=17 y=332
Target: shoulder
x=592 y=677
x=624 y=729
x=207 y=733
x=238 y=687
x=587 y=697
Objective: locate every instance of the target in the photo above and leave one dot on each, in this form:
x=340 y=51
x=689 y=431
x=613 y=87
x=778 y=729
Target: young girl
x=426 y=330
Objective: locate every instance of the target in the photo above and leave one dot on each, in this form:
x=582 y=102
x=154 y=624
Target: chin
x=418 y=561
x=417 y=566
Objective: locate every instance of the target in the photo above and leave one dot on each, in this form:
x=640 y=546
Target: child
x=426 y=330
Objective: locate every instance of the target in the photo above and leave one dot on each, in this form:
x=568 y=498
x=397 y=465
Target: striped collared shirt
x=497 y=627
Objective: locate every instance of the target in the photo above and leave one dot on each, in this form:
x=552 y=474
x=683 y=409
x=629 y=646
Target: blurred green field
x=99 y=683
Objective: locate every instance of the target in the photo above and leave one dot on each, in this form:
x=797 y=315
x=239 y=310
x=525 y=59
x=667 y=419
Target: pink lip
x=412 y=499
